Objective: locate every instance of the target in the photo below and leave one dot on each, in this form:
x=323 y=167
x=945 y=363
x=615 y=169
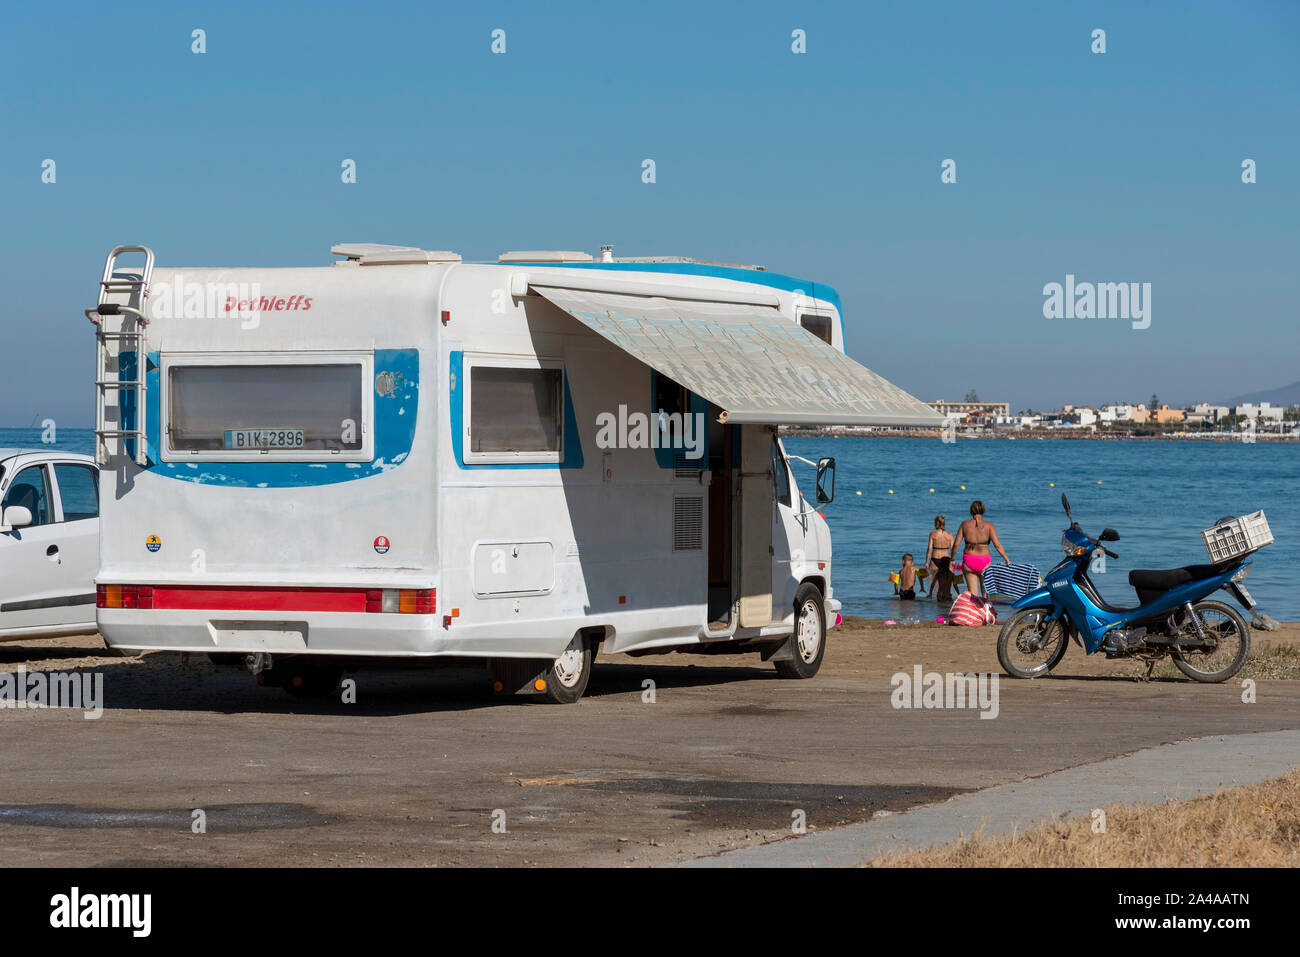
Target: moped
x=1208 y=640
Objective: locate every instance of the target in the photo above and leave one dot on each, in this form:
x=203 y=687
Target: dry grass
x=1268 y=659
x=1256 y=825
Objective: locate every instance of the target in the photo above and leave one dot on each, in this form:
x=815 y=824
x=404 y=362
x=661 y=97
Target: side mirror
x=1109 y=535
x=16 y=516
x=1065 y=504
x=825 y=481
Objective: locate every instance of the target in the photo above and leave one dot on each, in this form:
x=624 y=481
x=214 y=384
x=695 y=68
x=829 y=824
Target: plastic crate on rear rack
x=1234 y=537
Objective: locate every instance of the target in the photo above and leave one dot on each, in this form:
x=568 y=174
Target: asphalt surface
x=421 y=767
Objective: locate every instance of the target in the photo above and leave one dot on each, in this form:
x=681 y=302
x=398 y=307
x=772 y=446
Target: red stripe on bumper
x=259 y=599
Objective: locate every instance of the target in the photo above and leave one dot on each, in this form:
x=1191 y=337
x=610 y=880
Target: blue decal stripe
x=456 y=407
x=395 y=418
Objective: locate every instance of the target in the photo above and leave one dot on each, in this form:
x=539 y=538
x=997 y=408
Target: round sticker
x=153 y=543
x=381 y=544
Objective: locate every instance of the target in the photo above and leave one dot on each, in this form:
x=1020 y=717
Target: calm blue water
x=1158 y=495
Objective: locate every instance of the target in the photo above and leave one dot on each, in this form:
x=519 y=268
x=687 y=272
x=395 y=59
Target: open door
x=754 y=528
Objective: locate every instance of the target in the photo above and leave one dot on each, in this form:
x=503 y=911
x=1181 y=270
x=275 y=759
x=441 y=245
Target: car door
x=77 y=492
x=38 y=598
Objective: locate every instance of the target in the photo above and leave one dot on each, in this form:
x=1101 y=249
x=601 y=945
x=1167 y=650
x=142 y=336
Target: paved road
x=413 y=773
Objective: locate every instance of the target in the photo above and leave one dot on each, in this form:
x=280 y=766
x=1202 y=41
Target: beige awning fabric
x=752 y=362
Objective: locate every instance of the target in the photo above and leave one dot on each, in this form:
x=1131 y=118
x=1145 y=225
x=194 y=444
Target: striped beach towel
x=1011 y=581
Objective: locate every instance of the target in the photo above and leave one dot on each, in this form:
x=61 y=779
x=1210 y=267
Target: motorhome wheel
x=808 y=643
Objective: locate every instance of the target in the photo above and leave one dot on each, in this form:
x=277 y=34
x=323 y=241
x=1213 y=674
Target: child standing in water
x=905 y=579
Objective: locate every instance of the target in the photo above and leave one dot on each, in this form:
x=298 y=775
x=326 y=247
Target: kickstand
x=1151 y=666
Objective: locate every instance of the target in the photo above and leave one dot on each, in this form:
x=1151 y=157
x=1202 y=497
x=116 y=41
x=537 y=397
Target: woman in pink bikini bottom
x=977 y=535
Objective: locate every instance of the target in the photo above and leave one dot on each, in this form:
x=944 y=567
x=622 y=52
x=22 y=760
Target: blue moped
x=1207 y=640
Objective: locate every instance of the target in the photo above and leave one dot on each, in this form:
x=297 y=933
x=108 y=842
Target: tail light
x=404 y=601
x=124 y=596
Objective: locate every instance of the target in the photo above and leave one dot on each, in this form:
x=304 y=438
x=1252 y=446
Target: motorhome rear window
x=819 y=326
x=288 y=409
x=515 y=413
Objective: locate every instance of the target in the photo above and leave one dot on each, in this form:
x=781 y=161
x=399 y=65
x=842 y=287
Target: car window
x=78 y=491
x=31 y=489
x=781 y=475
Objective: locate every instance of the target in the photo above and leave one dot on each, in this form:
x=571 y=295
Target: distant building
x=1167 y=416
x=1205 y=414
x=977 y=409
x=1269 y=413
x=1118 y=413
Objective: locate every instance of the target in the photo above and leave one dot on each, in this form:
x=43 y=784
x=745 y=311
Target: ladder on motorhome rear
x=121 y=360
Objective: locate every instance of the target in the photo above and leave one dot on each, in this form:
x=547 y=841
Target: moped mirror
x=1065 y=504
x=825 y=481
x=1109 y=535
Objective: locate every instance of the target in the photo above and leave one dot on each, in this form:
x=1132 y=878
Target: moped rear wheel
x=1030 y=644
x=1229 y=633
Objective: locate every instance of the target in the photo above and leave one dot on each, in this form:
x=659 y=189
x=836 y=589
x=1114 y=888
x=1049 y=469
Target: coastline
x=1049 y=434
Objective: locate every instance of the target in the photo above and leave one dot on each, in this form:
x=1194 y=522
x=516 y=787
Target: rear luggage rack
x=121 y=294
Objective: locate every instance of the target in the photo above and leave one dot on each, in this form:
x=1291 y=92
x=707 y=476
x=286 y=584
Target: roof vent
x=544 y=256
x=377 y=254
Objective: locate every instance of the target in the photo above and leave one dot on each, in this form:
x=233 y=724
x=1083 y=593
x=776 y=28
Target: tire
x=1188 y=664
x=1015 y=629
x=808 y=643
x=566 y=679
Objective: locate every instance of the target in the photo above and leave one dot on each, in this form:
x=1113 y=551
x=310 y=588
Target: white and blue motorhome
x=405 y=456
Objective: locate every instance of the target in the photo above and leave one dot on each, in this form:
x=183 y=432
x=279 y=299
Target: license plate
x=1246 y=596
x=257 y=439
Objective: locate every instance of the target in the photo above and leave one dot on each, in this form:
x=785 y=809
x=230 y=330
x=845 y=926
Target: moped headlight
x=1067 y=546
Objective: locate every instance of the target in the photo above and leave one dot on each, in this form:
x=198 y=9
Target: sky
x=1122 y=166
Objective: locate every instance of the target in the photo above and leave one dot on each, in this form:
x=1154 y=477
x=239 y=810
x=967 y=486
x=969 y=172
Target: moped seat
x=1152 y=583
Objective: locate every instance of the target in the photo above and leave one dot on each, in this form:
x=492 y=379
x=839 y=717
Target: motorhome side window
x=266 y=409
x=819 y=326
x=516 y=412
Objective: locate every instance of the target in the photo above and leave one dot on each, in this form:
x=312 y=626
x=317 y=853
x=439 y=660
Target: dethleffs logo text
x=267 y=304
x=180 y=298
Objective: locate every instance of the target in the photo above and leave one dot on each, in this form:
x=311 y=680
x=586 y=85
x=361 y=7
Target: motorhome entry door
x=755 y=526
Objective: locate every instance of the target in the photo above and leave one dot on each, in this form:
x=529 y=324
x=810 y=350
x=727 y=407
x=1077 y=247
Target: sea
x=1159 y=495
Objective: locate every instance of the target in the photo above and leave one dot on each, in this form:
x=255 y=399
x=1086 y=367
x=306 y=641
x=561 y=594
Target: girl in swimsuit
x=978 y=535
x=938 y=556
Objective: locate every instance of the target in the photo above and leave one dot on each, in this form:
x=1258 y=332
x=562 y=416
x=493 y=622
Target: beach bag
x=1011 y=581
x=971 y=609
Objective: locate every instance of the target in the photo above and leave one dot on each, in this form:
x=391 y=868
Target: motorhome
x=401 y=456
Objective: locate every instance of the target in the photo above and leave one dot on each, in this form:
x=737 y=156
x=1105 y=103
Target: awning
x=749 y=360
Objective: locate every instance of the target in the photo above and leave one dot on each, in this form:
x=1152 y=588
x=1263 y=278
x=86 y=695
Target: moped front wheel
x=1030 y=644
x=1228 y=642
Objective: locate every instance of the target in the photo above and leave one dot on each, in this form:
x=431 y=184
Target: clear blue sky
x=826 y=165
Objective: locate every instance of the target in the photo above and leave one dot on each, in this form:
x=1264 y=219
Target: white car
x=49 y=543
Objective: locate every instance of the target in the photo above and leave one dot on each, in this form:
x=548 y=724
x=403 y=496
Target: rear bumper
x=246 y=632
